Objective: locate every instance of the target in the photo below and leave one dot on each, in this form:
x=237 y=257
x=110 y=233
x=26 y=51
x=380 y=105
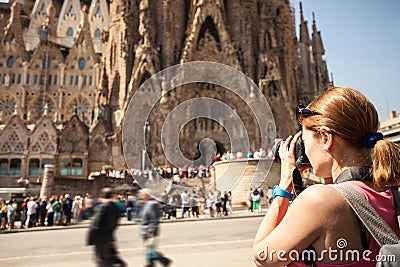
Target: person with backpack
x=321 y=225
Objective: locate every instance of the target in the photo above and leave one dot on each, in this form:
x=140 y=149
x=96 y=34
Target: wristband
x=276 y=191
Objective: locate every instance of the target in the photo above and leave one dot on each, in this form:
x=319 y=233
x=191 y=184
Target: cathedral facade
x=68 y=70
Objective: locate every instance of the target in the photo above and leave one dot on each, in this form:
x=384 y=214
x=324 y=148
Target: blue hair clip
x=370 y=139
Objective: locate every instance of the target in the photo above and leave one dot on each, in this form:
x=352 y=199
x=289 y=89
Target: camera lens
x=300 y=155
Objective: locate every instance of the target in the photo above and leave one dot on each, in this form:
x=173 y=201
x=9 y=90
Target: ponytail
x=386 y=164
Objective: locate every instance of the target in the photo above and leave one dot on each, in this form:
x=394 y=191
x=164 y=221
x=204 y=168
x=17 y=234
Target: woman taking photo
x=339 y=131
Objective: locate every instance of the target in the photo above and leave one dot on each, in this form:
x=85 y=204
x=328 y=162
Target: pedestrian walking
x=102 y=229
x=256 y=199
x=230 y=202
x=185 y=203
x=149 y=229
x=250 y=198
x=225 y=203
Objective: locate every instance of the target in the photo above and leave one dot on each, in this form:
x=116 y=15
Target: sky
x=362 y=46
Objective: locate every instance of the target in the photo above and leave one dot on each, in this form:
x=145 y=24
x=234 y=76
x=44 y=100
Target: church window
x=13 y=78
x=7 y=106
x=48 y=63
x=19 y=148
x=35 y=79
x=49 y=80
x=82 y=108
x=44 y=137
x=76 y=79
x=14 y=137
x=39 y=107
x=44 y=162
x=97 y=33
x=90 y=80
x=64 y=166
x=3 y=166
x=76 y=169
x=19 y=79
x=15 y=167
x=50 y=148
x=10 y=62
x=70 y=32
x=208 y=35
x=6 y=148
x=84 y=80
x=82 y=63
x=37 y=148
x=34 y=167
x=71 y=80
x=55 y=79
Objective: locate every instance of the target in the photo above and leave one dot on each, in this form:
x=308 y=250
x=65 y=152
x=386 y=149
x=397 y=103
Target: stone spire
x=51 y=19
x=304 y=34
x=13 y=30
x=317 y=44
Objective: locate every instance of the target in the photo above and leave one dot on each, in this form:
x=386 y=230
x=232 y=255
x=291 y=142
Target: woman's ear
x=326 y=137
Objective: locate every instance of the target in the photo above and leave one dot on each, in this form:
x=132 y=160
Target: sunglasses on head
x=303 y=112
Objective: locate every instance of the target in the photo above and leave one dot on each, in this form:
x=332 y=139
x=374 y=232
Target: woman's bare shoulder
x=323 y=196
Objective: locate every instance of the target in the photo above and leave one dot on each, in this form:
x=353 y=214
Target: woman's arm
x=290 y=230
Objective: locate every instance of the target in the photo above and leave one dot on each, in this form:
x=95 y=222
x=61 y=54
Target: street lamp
x=146 y=128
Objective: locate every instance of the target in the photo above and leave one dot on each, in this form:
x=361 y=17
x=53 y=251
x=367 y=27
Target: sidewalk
x=239 y=213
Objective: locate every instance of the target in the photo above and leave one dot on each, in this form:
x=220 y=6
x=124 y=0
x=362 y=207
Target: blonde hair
x=350 y=115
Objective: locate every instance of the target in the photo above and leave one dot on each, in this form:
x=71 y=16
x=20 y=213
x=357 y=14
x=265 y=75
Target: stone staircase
x=238 y=176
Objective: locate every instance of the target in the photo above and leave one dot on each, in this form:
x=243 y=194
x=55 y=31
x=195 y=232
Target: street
x=194 y=244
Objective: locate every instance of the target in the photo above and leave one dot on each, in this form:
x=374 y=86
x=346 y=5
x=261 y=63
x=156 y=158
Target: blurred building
x=69 y=68
x=391 y=128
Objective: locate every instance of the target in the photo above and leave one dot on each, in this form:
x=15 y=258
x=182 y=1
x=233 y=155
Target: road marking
x=134 y=249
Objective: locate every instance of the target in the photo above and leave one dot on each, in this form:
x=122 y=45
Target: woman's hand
x=287 y=152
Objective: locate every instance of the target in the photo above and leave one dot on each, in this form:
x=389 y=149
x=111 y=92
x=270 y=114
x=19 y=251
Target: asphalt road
x=190 y=244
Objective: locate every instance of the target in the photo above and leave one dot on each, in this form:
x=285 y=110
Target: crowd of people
x=258 y=154
x=189 y=203
x=64 y=210
x=197 y=202
x=37 y=211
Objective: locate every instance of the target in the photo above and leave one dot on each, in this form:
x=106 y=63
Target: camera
x=300 y=154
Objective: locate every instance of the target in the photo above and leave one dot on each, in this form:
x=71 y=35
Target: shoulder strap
x=377 y=227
